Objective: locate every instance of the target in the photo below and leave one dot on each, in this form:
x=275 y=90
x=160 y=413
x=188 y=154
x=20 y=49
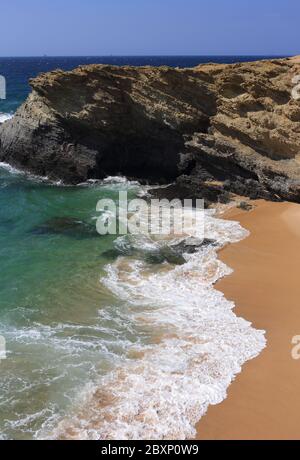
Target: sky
x=149 y=27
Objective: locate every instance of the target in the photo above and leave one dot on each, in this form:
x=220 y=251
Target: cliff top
x=232 y=124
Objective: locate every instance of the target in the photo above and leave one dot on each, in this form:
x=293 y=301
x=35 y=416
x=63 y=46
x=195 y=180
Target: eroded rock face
x=214 y=128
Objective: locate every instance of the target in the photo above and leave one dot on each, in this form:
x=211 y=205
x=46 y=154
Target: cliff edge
x=213 y=129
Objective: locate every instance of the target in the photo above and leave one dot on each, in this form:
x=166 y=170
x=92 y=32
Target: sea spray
x=5 y=116
x=164 y=387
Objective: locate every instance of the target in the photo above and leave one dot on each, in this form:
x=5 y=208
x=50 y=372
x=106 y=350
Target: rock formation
x=212 y=129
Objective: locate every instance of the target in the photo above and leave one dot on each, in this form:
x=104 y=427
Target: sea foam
x=5 y=116
x=165 y=386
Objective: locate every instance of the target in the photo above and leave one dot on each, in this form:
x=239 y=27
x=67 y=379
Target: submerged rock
x=173 y=254
x=214 y=129
x=191 y=245
x=165 y=254
x=68 y=226
x=155 y=256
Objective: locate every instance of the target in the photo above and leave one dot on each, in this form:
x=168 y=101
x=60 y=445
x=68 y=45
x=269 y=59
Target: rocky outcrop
x=213 y=129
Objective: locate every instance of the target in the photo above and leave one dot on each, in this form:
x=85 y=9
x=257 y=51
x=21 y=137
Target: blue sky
x=134 y=27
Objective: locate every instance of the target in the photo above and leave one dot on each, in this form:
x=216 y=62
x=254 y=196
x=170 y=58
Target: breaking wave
x=165 y=386
x=5 y=116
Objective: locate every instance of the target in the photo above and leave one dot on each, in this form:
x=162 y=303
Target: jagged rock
x=214 y=129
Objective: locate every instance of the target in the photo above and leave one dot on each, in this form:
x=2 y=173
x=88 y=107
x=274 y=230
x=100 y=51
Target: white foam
x=74 y=353
x=5 y=116
x=10 y=168
x=168 y=385
x=119 y=180
x=30 y=176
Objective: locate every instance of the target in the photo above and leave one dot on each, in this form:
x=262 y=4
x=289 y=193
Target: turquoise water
x=52 y=299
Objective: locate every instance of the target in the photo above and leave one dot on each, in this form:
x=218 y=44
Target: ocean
x=103 y=339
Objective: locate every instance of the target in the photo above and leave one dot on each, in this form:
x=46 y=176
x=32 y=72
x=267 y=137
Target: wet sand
x=264 y=400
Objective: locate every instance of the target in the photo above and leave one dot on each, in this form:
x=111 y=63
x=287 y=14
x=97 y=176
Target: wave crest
x=5 y=116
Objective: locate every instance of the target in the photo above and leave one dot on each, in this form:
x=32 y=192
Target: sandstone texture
x=212 y=130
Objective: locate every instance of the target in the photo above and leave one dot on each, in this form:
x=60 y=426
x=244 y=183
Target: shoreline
x=263 y=402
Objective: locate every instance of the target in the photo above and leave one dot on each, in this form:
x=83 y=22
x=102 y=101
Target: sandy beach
x=263 y=402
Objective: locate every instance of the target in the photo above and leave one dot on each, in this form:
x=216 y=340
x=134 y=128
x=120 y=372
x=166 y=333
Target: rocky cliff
x=212 y=129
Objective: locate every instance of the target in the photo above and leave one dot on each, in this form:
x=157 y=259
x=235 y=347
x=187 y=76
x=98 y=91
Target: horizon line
x=147 y=55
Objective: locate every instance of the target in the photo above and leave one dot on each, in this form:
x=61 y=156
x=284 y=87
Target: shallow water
x=102 y=342
x=165 y=386
x=52 y=301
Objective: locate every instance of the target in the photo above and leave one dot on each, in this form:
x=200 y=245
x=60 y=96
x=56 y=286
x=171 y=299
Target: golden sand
x=264 y=400
x=295 y=59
